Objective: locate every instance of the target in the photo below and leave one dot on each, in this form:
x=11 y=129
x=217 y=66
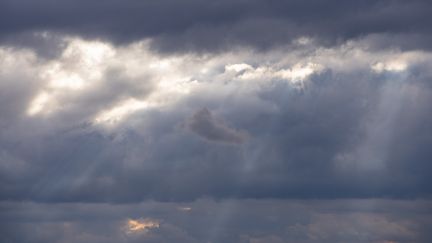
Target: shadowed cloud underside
x=226 y=121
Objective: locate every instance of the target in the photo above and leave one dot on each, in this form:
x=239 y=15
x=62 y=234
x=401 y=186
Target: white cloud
x=111 y=83
x=394 y=66
x=120 y=111
x=238 y=67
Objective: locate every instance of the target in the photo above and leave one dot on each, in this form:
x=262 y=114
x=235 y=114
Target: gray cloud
x=302 y=150
x=104 y=138
x=197 y=25
x=204 y=124
x=358 y=221
x=345 y=131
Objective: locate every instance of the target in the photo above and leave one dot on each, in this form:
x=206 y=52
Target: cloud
x=215 y=121
x=267 y=220
x=221 y=25
x=357 y=228
x=109 y=126
x=204 y=124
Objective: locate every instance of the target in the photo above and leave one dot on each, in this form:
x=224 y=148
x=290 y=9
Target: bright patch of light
x=299 y=72
x=238 y=67
x=259 y=72
x=88 y=52
x=134 y=226
x=38 y=104
x=71 y=82
x=59 y=78
x=161 y=64
x=79 y=59
x=394 y=66
x=295 y=74
x=176 y=87
x=120 y=111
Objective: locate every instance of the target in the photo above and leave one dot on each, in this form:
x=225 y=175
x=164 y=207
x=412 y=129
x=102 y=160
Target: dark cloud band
x=201 y=25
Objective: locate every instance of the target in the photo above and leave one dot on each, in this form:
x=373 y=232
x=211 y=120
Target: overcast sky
x=252 y=121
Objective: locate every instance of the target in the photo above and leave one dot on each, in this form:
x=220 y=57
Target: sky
x=245 y=121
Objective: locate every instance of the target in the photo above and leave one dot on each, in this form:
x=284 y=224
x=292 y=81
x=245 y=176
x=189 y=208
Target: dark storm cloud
x=207 y=126
x=204 y=25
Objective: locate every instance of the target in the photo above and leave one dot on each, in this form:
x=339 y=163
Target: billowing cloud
x=316 y=122
x=224 y=121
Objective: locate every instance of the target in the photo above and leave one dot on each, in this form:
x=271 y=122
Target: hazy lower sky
x=246 y=121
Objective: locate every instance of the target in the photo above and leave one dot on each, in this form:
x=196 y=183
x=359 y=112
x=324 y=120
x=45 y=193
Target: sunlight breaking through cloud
x=120 y=111
x=234 y=121
x=84 y=67
x=136 y=226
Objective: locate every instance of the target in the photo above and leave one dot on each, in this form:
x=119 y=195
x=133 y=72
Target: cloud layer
x=120 y=124
x=203 y=26
x=223 y=121
x=270 y=221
